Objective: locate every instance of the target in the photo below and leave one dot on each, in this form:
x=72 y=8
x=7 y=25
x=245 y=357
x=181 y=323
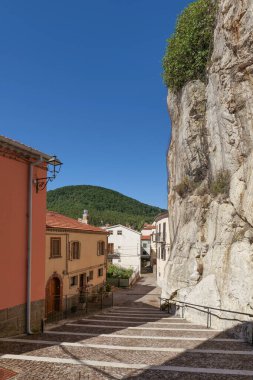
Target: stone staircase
x=128 y=343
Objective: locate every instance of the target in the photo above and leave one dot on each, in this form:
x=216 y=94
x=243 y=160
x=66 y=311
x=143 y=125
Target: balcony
x=160 y=237
x=113 y=255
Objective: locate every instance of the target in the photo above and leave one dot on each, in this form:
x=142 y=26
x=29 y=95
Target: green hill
x=104 y=206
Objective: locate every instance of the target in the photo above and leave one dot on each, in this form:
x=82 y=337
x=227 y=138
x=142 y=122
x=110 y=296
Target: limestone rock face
x=211 y=232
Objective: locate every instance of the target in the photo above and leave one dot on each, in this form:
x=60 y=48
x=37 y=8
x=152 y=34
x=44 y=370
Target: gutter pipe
x=29 y=246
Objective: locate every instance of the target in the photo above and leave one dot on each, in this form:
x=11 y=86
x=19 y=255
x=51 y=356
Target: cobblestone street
x=132 y=340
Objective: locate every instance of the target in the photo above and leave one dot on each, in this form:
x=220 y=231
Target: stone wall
x=211 y=234
x=13 y=320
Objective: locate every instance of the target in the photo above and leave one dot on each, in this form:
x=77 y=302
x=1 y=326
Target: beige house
x=75 y=259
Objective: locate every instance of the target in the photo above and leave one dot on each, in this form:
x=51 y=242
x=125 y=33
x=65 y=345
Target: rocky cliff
x=210 y=165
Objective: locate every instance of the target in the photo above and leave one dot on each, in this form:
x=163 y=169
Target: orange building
x=75 y=259
x=22 y=234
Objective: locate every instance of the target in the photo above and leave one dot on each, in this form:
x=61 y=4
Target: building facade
x=162 y=246
x=124 y=247
x=22 y=233
x=148 y=243
x=148 y=229
x=75 y=259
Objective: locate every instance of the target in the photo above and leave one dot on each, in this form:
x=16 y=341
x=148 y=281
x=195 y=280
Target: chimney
x=85 y=217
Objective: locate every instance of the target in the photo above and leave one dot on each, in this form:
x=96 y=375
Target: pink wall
x=13 y=234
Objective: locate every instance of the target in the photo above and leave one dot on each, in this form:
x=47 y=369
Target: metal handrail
x=207 y=310
x=206 y=307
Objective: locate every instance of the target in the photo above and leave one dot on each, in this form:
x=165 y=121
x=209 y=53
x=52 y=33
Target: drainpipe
x=29 y=246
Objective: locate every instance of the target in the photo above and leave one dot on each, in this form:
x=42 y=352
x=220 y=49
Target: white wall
x=160 y=262
x=147 y=232
x=128 y=245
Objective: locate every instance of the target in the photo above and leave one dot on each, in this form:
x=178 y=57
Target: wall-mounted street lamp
x=53 y=168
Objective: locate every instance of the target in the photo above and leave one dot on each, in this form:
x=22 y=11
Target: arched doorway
x=53 y=295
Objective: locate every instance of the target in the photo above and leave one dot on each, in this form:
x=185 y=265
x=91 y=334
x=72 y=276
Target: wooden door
x=53 y=295
x=82 y=282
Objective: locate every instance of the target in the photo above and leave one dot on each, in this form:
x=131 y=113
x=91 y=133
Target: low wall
x=124 y=282
x=13 y=320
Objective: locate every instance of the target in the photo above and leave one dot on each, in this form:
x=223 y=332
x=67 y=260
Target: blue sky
x=82 y=80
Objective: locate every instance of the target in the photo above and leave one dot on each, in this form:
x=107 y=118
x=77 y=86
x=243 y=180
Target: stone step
x=194 y=366
x=155 y=314
x=123 y=322
x=91 y=331
x=85 y=371
x=136 y=308
x=113 y=339
x=27 y=344
x=165 y=318
x=171 y=342
x=137 y=320
x=137 y=325
x=192 y=328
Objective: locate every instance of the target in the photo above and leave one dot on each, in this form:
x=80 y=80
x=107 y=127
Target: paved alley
x=132 y=340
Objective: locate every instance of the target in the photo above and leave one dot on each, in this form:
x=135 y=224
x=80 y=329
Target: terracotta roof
x=55 y=220
x=148 y=237
x=16 y=145
x=149 y=227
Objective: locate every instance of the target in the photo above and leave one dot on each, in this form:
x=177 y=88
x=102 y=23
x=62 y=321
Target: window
x=75 y=250
x=110 y=247
x=74 y=281
x=145 y=245
x=119 y=232
x=110 y=232
x=100 y=272
x=159 y=249
x=91 y=275
x=164 y=231
x=101 y=248
x=163 y=254
x=55 y=247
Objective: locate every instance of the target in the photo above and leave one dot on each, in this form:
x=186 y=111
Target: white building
x=148 y=229
x=145 y=244
x=124 y=247
x=162 y=242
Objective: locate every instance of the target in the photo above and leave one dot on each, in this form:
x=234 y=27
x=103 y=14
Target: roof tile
x=55 y=220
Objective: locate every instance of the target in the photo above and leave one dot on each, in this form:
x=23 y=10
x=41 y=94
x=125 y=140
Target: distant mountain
x=104 y=206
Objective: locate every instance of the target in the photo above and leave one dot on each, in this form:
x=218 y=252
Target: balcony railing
x=160 y=237
x=113 y=254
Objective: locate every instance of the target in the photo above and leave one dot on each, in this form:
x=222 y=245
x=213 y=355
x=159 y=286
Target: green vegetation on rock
x=105 y=206
x=189 y=48
x=221 y=184
x=216 y=186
